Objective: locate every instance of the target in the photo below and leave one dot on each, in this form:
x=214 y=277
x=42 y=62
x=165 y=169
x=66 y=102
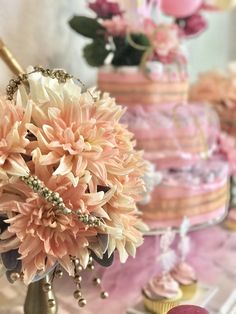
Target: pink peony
x=105 y=9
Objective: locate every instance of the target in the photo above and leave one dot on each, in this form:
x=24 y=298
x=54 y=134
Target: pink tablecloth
x=213 y=256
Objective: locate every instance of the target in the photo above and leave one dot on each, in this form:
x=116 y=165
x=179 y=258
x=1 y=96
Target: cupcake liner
x=161 y=306
x=188 y=291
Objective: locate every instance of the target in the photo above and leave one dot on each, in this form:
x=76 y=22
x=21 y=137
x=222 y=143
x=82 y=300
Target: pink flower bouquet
x=69 y=178
x=126 y=33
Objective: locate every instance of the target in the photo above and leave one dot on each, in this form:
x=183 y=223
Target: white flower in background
x=151 y=178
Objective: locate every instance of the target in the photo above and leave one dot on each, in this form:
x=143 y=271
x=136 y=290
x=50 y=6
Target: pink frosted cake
x=131 y=87
x=174 y=135
x=201 y=193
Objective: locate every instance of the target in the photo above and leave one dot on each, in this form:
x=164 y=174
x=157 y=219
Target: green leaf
x=96 y=52
x=126 y=54
x=87 y=26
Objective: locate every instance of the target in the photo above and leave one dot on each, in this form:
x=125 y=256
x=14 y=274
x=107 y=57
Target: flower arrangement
x=118 y=39
x=69 y=179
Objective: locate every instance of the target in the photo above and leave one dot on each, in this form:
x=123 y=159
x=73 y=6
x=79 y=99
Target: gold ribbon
x=148 y=51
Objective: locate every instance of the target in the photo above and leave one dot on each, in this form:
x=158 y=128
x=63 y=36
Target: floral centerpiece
x=69 y=178
x=120 y=40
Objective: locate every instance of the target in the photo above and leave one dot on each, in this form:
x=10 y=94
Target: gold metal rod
x=8 y=58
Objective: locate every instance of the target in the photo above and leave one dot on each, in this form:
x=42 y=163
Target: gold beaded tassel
x=97 y=281
x=77 y=280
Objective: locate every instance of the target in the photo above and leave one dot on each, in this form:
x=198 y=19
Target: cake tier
x=174 y=135
x=130 y=86
x=200 y=193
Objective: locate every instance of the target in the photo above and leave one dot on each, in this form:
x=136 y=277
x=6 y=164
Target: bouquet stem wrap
x=39 y=300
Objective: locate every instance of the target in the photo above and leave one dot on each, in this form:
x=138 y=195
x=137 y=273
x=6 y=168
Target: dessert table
x=213 y=256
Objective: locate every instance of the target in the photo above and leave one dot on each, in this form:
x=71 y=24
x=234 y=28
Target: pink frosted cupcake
x=188 y=309
x=185 y=275
x=161 y=294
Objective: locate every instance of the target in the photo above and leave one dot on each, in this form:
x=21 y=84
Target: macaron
x=188 y=309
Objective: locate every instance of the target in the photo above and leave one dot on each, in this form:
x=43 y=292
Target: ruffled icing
x=184 y=274
x=162 y=287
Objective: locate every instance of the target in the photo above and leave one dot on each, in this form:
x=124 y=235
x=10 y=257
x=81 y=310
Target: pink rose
x=193 y=25
x=117 y=26
x=105 y=9
x=164 y=37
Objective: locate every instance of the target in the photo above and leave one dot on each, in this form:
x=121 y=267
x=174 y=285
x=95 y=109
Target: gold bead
x=47 y=287
x=51 y=303
x=9 y=88
x=77 y=279
x=15 y=276
x=59 y=273
x=76 y=262
x=79 y=268
x=77 y=294
x=97 y=281
x=82 y=302
x=90 y=259
x=104 y=295
x=91 y=267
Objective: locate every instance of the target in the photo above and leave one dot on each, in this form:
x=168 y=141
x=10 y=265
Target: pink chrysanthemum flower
x=13 y=140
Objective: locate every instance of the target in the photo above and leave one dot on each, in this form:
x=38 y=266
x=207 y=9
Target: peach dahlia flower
x=13 y=140
x=80 y=150
x=46 y=236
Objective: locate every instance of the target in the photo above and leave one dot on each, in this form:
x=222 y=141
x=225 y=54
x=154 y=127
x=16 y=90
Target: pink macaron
x=188 y=309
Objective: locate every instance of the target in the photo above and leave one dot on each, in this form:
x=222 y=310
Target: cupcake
x=161 y=294
x=188 y=309
x=185 y=275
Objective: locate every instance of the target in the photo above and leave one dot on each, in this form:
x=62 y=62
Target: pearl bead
x=14 y=276
x=79 y=268
x=82 y=302
x=91 y=267
x=77 y=294
x=104 y=295
x=77 y=279
x=76 y=262
x=97 y=281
